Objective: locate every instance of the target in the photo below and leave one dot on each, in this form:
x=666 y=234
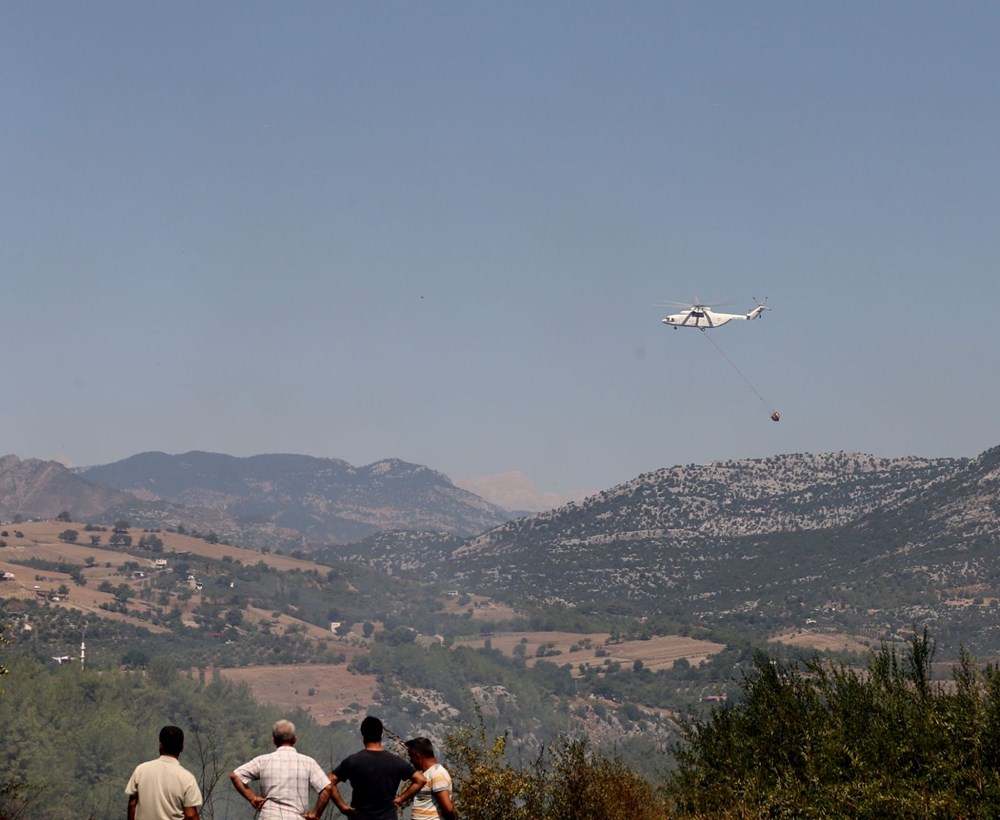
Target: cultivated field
x=336 y=693
x=823 y=641
x=569 y=647
x=481 y=607
x=40 y=539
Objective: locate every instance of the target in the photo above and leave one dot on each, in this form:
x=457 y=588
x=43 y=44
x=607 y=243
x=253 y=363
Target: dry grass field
x=333 y=688
x=656 y=653
x=483 y=608
x=40 y=537
x=822 y=641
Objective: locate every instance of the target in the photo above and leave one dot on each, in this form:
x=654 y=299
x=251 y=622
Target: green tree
x=487 y=787
x=822 y=740
x=151 y=542
x=135 y=658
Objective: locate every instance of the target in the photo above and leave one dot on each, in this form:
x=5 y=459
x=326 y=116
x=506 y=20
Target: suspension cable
x=768 y=405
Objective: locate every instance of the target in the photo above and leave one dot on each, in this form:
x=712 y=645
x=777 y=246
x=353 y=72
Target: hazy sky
x=437 y=230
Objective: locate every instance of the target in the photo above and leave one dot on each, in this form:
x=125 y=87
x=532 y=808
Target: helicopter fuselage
x=703 y=318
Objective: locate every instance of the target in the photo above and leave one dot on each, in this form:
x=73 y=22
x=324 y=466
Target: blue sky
x=437 y=231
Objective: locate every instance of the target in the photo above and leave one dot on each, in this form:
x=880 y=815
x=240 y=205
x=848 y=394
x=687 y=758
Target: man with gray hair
x=284 y=776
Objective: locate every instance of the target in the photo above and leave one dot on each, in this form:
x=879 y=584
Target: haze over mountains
x=514 y=491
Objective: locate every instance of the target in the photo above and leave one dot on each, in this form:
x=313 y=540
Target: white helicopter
x=703 y=317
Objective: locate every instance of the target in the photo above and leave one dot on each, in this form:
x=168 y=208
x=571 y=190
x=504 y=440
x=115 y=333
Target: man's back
x=374 y=777
x=424 y=805
x=164 y=789
x=285 y=777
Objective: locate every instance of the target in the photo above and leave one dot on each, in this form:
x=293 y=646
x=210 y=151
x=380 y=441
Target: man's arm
x=133 y=801
x=191 y=813
x=253 y=799
x=336 y=796
x=445 y=807
x=321 y=803
x=417 y=782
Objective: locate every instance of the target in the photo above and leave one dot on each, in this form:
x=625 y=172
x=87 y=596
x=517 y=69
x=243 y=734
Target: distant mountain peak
x=42 y=489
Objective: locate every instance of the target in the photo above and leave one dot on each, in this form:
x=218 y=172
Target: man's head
x=283 y=733
x=171 y=741
x=371 y=730
x=421 y=752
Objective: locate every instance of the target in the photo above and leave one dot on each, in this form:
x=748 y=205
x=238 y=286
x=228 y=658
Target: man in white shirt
x=163 y=789
x=285 y=777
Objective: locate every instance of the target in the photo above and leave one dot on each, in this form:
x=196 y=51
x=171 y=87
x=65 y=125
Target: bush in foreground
x=568 y=781
x=827 y=741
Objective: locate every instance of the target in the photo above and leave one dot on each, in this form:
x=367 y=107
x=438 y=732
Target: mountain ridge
x=325 y=500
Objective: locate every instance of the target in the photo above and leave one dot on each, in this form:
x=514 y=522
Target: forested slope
x=74 y=736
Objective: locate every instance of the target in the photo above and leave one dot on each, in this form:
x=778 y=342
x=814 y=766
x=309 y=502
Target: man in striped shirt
x=285 y=777
x=433 y=801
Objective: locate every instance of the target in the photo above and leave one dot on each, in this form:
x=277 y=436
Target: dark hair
x=371 y=729
x=172 y=740
x=422 y=746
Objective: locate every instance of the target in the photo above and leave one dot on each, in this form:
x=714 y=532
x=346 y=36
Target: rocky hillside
x=325 y=500
x=846 y=540
x=30 y=488
x=785 y=493
x=423 y=553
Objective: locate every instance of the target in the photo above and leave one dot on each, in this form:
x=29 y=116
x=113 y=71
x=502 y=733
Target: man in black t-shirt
x=374 y=775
